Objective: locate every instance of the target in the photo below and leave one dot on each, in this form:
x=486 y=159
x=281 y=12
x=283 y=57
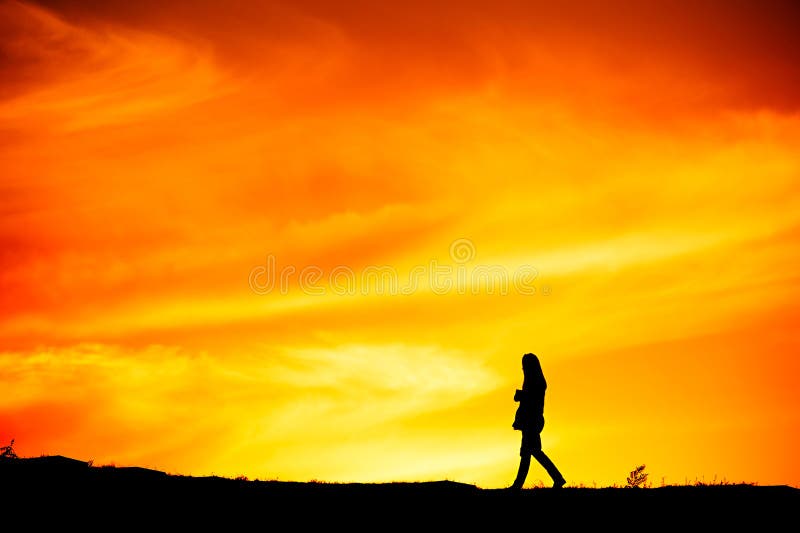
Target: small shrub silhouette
x=7 y=452
x=637 y=479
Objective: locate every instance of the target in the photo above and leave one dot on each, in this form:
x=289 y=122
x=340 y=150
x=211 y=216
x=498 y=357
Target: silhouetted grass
x=129 y=496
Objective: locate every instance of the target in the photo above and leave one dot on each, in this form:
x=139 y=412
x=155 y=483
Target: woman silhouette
x=530 y=420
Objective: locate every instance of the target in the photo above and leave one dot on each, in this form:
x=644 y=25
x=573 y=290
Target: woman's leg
x=524 y=459
x=558 y=479
x=524 y=465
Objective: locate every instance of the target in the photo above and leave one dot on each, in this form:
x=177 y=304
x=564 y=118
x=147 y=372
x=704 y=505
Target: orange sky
x=643 y=160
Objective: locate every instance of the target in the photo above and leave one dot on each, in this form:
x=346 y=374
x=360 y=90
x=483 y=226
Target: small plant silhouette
x=637 y=479
x=7 y=452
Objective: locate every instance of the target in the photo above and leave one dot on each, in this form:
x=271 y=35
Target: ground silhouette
x=56 y=490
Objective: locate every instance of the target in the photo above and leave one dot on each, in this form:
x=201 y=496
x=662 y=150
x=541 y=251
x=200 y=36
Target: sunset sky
x=636 y=166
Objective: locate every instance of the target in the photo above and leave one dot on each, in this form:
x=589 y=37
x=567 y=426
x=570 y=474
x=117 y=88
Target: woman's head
x=532 y=371
x=531 y=363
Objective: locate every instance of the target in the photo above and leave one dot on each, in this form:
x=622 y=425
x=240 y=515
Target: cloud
x=656 y=57
x=642 y=158
x=114 y=396
x=91 y=77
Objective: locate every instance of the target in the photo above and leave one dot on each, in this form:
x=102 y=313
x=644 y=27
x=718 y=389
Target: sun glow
x=153 y=156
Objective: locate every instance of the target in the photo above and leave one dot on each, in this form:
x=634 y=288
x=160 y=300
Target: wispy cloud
x=102 y=76
x=154 y=154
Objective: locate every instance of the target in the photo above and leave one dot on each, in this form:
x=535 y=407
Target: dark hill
x=55 y=489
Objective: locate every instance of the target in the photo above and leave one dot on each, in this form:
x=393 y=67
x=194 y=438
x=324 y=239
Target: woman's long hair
x=532 y=371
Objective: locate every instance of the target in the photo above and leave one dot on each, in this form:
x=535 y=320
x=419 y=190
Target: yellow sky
x=639 y=165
